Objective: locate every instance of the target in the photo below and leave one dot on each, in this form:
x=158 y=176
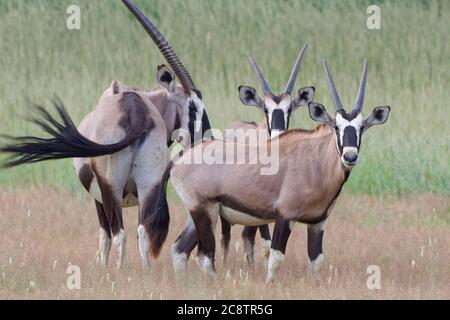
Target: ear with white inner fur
x=318 y=113
x=250 y=97
x=378 y=116
x=304 y=96
x=166 y=78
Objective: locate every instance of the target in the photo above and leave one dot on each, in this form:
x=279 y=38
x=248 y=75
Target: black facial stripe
x=199 y=94
x=192 y=119
x=350 y=138
x=278 y=120
x=348 y=116
x=205 y=123
x=288 y=118
x=338 y=134
x=277 y=99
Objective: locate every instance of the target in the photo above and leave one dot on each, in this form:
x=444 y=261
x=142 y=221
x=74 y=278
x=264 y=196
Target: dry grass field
x=43 y=230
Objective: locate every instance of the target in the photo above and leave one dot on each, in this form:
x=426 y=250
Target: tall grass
x=408 y=69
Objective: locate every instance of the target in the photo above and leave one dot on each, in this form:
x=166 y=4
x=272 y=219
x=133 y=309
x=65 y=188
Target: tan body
x=302 y=191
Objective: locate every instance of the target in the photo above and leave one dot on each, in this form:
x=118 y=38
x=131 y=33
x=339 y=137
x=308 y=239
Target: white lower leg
x=275 y=259
x=120 y=241
x=104 y=245
x=314 y=265
x=248 y=251
x=206 y=264
x=265 y=245
x=144 y=246
x=179 y=259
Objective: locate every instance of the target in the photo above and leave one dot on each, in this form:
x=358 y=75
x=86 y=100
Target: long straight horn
x=295 y=70
x=334 y=94
x=362 y=89
x=164 y=46
x=262 y=81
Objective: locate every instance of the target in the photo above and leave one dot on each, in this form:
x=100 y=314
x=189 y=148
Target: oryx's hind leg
x=148 y=193
x=205 y=219
x=149 y=166
x=104 y=234
x=248 y=237
x=225 y=237
x=183 y=246
x=315 y=251
x=112 y=173
x=264 y=231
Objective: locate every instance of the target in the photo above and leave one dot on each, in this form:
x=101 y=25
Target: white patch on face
x=144 y=246
x=275 y=259
x=199 y=113
x=271 y=106
x=343 y=123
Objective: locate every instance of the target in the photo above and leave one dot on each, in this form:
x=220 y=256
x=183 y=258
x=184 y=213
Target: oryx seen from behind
x=121 y=148
x=313 y=167
x=277 y=109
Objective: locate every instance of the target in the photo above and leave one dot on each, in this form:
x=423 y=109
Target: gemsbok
x=121 y=148
x=278 y=109
x=313 y=167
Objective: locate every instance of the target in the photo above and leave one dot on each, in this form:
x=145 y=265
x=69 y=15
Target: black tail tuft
x=158 y=225
x=65 y=141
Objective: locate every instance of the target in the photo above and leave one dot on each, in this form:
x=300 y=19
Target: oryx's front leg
x=264 y=231
x=248 y=237
x=104 y=234
x=315 y=252
x=281 y=234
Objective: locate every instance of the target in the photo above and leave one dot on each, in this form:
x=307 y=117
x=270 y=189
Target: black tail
x=158 y=225
x=65 y=141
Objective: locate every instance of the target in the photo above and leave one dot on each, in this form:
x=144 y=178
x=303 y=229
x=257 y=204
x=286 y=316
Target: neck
x=172 y=120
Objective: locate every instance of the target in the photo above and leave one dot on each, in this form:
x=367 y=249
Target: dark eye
x=336 y=127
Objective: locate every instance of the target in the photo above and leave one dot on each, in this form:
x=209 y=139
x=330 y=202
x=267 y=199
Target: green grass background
x=408 y=69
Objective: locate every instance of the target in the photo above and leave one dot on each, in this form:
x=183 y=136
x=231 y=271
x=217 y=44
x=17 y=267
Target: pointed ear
x=378 y=116
x=250 y=97
x=304 y=97
x=166 y=78
x=318 y=113
x=116 y=87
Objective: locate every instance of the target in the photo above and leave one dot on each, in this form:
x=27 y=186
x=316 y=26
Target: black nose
x=351 y=157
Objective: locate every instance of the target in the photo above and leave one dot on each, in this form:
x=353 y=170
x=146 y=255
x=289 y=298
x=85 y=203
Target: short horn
x=295 y=71
x=164 y=46
x=334 y=93
x=362 y=89
x=262 y=81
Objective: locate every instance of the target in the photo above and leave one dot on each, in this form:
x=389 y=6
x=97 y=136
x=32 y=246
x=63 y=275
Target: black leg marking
x=206 y=239
x=315 y=237
x=226 y=236
x=281 y=234
x=264 y=231
x=186 y=241
x=102 y=218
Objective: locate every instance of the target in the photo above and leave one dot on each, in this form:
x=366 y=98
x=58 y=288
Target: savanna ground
x=394 y=211
x=42 y=231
